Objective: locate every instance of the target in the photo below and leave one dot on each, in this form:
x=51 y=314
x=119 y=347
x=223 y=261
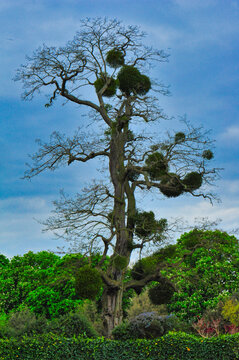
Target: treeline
x=40 y=292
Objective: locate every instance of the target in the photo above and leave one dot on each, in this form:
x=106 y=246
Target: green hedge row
x=173 y=346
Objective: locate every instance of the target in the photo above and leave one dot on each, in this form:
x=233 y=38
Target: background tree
x=42 y=282
x=103 y=69
x=207 y=272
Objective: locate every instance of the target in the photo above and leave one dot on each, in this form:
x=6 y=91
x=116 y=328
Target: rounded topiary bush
x=88 y=283
x=157 y=165
x=71 y=325
x=193 y=180
x=111 y=88
x=132 y=81
x=115 y=58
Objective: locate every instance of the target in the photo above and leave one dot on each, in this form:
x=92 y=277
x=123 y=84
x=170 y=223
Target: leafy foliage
x=207 y=271
x=147 y=325
x=156 y=165
x=115 y=58
x=88 y=283
x=73 y=324
x=42 y=282
x=111 y=86
x=132 y=81
x=230 y=311
x=161 y=293
x=193 y=180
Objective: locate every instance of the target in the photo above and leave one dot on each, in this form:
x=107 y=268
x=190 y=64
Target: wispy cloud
x=20 y=230
x=231 y=134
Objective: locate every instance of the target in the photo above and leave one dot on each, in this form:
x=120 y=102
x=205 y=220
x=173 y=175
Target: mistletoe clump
x=111 y=87
x=88 y=283
x=144 y=267
x=132 y=81
x=193 y=180
x=179 y=137
x=146 y=224
x=156 y=165
x=120 y=262
x=171 y=186
x=161 y=293
x=207 y=154
x=132 y=175
x=115 y=58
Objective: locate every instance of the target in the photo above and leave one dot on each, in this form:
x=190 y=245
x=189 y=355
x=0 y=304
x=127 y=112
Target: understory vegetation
x=41 y=304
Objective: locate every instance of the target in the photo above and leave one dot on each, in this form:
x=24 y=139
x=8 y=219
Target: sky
x=201 y=37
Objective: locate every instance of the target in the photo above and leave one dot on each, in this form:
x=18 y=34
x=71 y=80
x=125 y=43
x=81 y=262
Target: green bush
x=71 y=325
x=24 y=322
x=174 y=346
x=3 y=325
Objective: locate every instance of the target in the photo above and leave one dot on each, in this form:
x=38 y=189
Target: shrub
x=25 y=322
x=171 y=346
x=3 y=325
x=141 y=303
x=147 y=325
x=71 y=325
x=230 y=311
x=90 y=311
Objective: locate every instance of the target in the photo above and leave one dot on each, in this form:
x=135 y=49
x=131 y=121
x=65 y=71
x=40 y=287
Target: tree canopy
x=207 y=273
x=104 y=69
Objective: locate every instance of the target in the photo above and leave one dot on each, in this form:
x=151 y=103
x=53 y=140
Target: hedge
x=173 y=346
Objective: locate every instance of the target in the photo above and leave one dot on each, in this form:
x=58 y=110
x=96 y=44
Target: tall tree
x=102 y=69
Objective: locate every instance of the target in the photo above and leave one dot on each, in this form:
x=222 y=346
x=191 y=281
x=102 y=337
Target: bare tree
x=108 y=60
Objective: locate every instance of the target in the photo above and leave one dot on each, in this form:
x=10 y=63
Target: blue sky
x=203 y=73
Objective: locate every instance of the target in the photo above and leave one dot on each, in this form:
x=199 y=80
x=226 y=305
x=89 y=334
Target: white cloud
x=231 y=133
x=20 y=231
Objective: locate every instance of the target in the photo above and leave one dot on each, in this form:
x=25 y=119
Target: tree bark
x=112 y=309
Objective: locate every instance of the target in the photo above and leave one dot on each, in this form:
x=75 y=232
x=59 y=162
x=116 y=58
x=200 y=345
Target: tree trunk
x=112 y=309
